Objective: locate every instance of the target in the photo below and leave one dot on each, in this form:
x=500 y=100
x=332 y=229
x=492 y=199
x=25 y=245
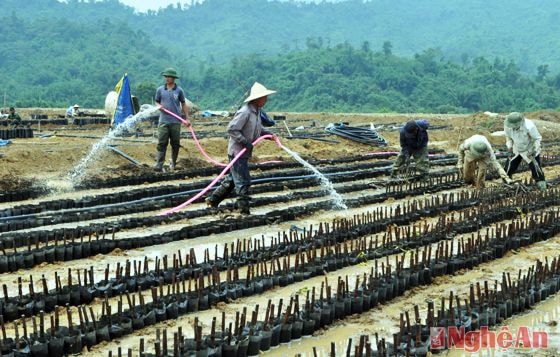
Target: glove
x=406 y=154
x=535 y=149
x=249 y=147
x=460 y=169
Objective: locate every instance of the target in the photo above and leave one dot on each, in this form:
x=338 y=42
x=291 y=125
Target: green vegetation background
x=353 y=56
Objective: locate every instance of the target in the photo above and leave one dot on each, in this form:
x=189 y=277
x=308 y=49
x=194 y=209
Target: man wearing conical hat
x=524 y=141
x=475 y=155
x=171 y=97
x=243 y=130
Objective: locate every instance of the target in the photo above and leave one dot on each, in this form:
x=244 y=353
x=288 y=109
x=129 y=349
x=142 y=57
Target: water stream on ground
x=77 y=174
x=325 y=183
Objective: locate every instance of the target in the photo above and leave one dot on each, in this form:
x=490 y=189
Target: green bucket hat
x=513 y=120
x=170 y=72
x=479 y=148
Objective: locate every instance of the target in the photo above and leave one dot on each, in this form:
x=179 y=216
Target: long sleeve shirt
x=15 y=117
x=466 y=155
x=525 y=141
x=419 y=141
x=245 y=127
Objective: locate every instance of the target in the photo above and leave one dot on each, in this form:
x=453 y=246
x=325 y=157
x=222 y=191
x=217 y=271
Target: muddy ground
x=55 y=150
x=46 y=160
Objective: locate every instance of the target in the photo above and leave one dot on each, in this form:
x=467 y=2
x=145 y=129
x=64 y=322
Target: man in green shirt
x=14 y=118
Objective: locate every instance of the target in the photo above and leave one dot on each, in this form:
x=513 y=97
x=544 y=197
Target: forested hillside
x=69 y=61
x=344 y=78
x=380 y=55
x=526 y=31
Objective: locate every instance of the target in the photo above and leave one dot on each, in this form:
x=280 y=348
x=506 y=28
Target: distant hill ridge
x=526 y=31
x=399 y=55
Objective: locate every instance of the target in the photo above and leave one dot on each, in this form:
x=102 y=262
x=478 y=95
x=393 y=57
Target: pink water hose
x=200 y=148
x=210 y=159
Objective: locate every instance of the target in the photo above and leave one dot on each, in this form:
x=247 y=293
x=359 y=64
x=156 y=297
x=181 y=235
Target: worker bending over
x=414 y=143
x=524 y=141
x=475 y=155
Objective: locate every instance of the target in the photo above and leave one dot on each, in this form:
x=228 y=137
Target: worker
x=171 y=97
x=414 y=143
x=243 y=130
x=475 y=155
x=14 y=118
x=524 y=141
x=73 y=111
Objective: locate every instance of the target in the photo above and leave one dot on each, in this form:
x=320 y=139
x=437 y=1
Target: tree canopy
x=426 y=55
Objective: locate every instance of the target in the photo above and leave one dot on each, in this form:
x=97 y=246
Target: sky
x=145 y=5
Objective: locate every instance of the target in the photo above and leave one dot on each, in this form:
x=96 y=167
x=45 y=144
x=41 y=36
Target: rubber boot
x=160 y=158
x=174 y=155
x=219 y=194
x=243 y=205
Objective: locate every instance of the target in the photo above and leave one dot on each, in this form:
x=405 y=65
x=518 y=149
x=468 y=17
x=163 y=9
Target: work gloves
x=460 y=169
x=534 y=150
x=406 y=154
x=249 y=147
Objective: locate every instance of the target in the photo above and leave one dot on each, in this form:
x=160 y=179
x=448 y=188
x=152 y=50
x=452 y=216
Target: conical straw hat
x=258 y=91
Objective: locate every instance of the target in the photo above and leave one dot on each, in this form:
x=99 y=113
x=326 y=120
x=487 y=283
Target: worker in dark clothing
x=14 y=118
x=414 y=143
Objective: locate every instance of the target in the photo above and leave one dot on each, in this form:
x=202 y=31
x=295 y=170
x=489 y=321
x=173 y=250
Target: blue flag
x=124 y=102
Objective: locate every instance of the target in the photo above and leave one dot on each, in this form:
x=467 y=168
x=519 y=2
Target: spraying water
x=76 y=175
x=337 y=198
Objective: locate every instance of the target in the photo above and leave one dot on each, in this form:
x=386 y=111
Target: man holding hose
x=244 y=128
x=171 y=97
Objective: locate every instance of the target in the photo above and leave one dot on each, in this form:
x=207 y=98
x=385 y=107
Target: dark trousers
x=238 y=178
x=536 y=172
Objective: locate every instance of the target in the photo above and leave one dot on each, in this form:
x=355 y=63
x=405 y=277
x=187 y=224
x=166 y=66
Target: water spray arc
x=338 y=200
x=77 y=174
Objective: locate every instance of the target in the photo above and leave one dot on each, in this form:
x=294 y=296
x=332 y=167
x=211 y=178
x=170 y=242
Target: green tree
x=542 y=71
x=387 y=48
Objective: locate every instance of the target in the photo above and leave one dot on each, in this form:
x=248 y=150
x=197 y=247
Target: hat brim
x=170 y=75
x=513 y=125
x=259 y=95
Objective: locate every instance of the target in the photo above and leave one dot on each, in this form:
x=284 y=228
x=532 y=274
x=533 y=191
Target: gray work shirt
x=171 y=100
x=245 y=127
